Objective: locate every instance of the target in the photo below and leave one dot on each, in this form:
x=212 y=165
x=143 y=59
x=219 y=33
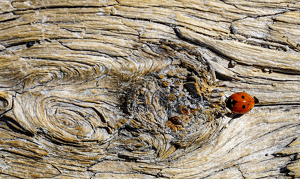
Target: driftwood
x=137 y=89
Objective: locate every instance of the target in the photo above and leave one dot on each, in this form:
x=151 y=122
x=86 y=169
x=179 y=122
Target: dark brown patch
x=185 y=111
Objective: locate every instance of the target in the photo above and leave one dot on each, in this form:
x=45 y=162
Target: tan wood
x=137 y=89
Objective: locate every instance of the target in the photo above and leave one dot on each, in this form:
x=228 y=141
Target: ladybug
x=241 y=103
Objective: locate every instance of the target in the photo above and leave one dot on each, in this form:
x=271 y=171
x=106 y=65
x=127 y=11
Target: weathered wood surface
x=136 y=89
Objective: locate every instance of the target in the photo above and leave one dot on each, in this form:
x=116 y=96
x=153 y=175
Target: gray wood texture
x=137 y=89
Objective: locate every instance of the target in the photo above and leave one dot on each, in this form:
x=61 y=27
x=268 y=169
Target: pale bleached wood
x=96 y=94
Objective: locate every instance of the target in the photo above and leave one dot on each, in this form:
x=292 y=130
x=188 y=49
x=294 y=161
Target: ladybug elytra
x=241 y=103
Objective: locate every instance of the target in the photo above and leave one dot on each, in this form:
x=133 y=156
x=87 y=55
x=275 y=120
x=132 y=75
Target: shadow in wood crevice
x=14 y=126
x=286 y=171
x=223 y=77
x=293 y=158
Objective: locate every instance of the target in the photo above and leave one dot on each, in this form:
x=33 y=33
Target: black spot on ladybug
x=248 y=104
x=243 y=106
x=243 y=97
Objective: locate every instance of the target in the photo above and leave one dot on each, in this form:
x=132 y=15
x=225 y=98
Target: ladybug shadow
x=233 y=115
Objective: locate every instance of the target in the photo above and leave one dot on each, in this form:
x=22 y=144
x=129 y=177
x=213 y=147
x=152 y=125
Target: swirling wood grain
x=136 y=89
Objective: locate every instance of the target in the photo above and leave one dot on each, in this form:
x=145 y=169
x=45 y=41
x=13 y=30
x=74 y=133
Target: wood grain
x=137 y=89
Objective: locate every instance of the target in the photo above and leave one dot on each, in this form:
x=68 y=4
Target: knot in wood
x=174 y=110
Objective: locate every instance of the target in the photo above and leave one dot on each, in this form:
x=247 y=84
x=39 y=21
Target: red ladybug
x=241 y=103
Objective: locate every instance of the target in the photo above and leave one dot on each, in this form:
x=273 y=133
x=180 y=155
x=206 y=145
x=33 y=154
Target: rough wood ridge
x=136 y=89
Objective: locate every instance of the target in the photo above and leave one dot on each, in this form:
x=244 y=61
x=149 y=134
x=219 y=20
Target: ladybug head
x=229 y=103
